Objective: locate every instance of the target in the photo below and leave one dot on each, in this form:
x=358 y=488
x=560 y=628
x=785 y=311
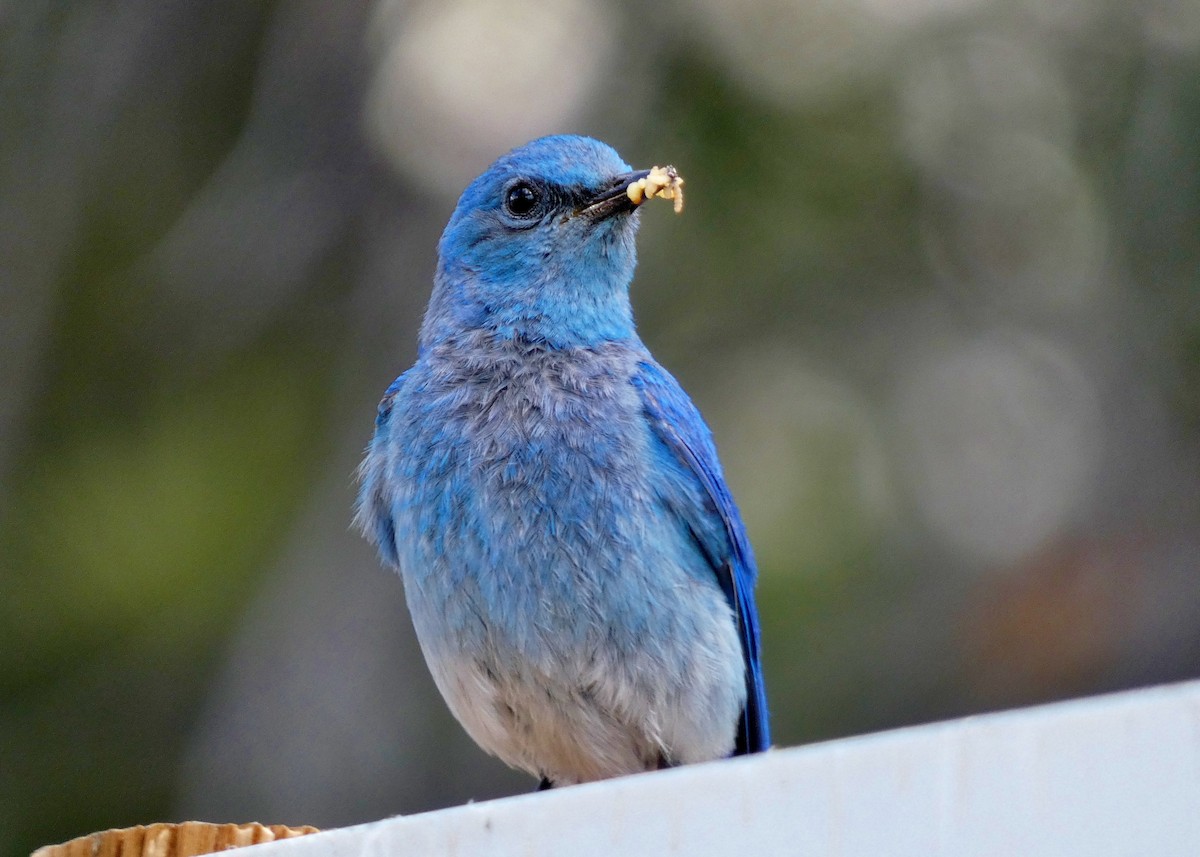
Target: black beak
x=614 y=199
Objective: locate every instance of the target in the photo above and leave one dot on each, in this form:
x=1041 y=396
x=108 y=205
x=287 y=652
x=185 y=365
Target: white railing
x=1110 y=775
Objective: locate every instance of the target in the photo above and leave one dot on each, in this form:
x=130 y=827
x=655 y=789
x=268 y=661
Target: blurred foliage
x=935 y=290
x=180 y=507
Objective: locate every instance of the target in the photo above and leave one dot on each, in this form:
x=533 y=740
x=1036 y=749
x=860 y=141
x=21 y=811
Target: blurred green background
x=935 y=290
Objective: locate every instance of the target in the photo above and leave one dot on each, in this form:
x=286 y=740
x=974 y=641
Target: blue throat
x=561 y=305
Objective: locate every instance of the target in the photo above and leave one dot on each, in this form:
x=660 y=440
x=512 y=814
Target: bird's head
x=541 y=246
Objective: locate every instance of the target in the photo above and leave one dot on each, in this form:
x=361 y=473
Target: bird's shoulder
x=676 y=422
x=384 y=411
x=673 y=414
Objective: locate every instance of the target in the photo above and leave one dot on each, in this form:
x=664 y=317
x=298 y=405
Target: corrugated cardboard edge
x=187 y=839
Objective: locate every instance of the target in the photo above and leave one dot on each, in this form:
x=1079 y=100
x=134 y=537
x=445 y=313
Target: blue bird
x=576 y=569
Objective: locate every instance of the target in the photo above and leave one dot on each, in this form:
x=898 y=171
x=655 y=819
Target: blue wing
x=679 y=425
x=373 y=515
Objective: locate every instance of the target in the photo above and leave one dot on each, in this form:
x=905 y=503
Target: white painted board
x=1110 y=775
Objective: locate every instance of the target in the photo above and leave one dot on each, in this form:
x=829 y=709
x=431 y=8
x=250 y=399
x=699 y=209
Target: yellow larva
x=662 y=181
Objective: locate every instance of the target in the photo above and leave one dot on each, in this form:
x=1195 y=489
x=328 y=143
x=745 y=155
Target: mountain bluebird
x=577 y=572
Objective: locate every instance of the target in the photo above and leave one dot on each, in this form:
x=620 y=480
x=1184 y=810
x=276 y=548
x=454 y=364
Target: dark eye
x=521 y=200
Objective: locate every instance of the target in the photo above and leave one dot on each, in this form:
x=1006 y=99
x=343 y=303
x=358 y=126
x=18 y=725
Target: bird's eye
x=521 y=200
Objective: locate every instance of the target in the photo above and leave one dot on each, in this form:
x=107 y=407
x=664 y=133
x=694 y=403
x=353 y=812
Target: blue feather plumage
x=575 y=566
